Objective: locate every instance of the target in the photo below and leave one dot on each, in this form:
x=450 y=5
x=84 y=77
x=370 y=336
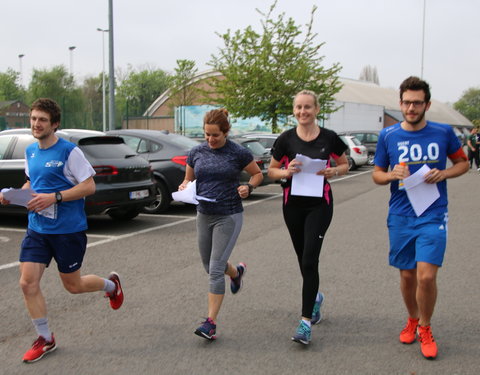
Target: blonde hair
x=312 y=94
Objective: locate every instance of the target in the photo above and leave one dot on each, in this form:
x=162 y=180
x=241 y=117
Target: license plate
x=139 y=194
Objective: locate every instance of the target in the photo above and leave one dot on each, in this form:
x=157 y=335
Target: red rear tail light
x=182 y=160
x=357 y=150
x=105 y=170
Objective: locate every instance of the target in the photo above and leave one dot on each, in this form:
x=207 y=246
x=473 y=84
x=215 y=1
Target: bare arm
x=189 y=176
x=41 y=201
x=339 y=170
x=256 y=179
x=459 y=167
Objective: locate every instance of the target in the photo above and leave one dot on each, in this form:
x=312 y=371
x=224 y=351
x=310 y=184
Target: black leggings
x=307 y=227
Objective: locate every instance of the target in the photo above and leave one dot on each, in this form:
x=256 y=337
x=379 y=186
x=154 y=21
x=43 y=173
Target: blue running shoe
x=303 y=334
x=207 y=330
x=237 y=282
x=317 y=314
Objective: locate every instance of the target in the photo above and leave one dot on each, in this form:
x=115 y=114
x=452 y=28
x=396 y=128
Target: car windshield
x=356 y=141
x=255 y=147
x=105 y=147
x=182 y=141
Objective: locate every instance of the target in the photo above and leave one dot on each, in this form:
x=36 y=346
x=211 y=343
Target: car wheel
x=370 y=159
x=351 y=164
x=161 y=202
x=124 y=214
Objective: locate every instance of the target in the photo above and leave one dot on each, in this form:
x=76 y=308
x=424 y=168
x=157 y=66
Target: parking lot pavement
x=166 y=286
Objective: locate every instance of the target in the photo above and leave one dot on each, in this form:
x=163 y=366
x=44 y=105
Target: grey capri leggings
x=217 y=235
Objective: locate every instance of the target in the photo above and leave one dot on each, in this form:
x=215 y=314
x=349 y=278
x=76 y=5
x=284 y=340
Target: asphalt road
x=166 y=295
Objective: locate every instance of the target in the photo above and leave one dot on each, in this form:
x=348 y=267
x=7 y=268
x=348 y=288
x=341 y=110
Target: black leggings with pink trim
x=307 y=227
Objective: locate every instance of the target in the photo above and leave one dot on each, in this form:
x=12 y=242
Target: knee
x=29 y=287
x=72 y=288
x=217 y=282
x=426 y=280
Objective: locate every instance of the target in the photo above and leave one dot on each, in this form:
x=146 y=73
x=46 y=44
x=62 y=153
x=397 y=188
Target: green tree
x=10 y=89
x=59 y=85
x=469 y=104
x=92 y=93
x=263 y=71
x=138 y=89
x=181 y=93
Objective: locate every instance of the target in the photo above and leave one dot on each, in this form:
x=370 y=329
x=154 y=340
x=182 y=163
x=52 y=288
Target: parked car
x=123 y=181
x=368 y=138
x=167 y=154
x=357 y=154
x=266 y=139
x=260 y=154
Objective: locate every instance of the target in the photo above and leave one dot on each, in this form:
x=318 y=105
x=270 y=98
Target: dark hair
x=415 y=84
x=49 y=106
x=218 y=117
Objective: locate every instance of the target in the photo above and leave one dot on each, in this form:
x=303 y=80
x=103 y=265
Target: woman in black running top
x=307 y=218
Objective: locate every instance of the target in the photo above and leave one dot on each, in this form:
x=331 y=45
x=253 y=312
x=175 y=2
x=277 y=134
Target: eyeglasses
x=416 y=103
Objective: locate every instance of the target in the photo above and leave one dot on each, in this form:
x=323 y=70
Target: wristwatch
x=58 y=197
x=250 y=188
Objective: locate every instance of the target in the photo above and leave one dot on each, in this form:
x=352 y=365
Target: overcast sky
x=386 y=34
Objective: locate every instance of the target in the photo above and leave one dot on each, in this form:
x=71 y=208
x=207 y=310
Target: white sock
x=41 y=326
x=108 y=286
x=307 y=322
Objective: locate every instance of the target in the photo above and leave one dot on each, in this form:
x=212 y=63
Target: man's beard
x=420 y=118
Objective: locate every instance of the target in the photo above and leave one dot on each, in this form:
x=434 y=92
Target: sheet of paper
x=21 y=197
x=420 y=194
x=187 y=195
x=306 y=182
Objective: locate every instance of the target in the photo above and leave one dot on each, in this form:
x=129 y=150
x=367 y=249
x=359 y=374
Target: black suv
x=123 y=180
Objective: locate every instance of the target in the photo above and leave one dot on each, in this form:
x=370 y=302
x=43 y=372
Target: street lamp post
x=20 y=66
x=71 y=48
x=104 y=103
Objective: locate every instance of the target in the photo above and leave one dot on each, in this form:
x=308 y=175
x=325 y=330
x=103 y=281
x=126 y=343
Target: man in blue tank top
x=61 y=177
x=417 y=243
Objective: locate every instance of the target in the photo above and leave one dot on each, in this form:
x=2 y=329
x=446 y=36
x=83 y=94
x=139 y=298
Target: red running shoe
x=116 y=297
x=408 y=334
x=427 y=342
x=39 y=348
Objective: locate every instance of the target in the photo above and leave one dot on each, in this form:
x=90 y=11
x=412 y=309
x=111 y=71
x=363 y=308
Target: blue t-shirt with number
x=430 y=145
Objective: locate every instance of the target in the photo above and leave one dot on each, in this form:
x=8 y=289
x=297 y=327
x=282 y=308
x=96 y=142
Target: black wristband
x=58 y=197
x=250 y=188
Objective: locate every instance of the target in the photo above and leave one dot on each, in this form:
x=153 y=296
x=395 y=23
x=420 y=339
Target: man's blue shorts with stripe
x=417 y=239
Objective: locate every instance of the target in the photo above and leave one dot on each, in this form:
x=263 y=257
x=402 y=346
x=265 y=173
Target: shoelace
x=426 y=336
x=411 y=326
x=38 y=343
x=303 y=329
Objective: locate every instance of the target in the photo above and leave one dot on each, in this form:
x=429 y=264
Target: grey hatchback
x=123 y=180
x=167 y=154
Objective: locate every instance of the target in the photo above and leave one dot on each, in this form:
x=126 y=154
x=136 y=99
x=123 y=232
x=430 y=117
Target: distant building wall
x=151 y=123
x=355 y=116
x=14 y=114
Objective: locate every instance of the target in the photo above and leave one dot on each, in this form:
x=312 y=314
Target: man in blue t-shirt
x=60 y=177
x=417 y=243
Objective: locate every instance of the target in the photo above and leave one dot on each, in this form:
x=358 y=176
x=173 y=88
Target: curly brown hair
x=218 y=117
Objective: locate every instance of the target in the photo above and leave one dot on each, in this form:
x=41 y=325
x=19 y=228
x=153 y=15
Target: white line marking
x=9 y=265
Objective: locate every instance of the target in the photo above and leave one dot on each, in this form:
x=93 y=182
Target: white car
x=357 y=154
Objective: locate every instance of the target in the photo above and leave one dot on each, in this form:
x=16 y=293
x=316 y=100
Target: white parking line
x=103 y=239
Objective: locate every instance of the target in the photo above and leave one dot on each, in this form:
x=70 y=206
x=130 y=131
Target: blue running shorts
x=68 y=250
x=417 y=239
